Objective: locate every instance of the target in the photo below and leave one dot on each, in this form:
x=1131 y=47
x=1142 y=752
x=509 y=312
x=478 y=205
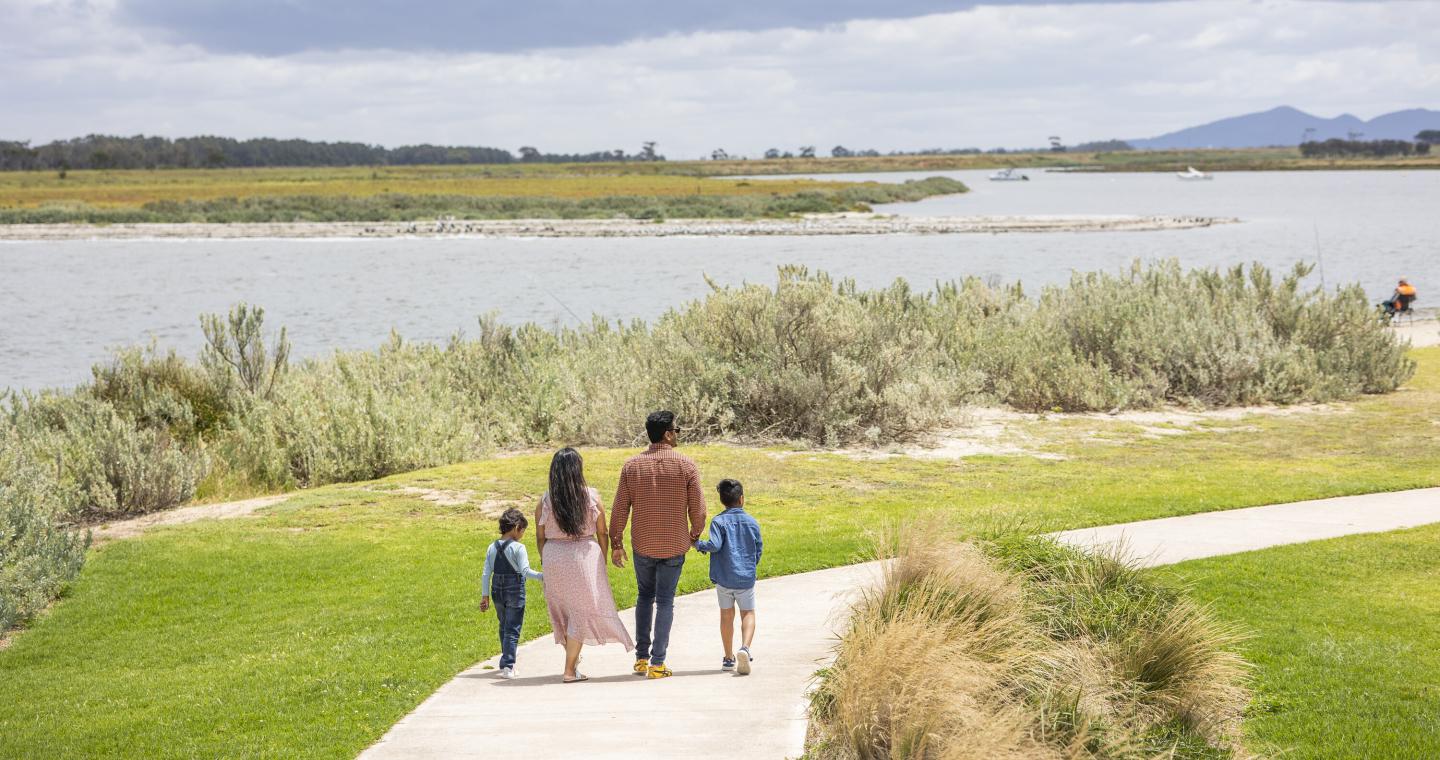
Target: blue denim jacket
x=734 y=548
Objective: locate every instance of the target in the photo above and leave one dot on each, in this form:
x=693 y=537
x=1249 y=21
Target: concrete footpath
x=1210 y=534
x=702 y=712
x=699 y=712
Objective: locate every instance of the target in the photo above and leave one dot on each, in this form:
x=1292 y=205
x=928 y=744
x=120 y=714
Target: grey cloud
x=989 y=76
x=287 y=26
x=272 y=27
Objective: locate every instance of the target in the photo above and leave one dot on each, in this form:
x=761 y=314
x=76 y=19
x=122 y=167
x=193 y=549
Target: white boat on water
x=1008 y=175
x=1194 y=174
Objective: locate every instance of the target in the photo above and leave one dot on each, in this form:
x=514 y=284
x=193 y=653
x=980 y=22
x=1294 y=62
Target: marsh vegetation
x=811 y=360
x=412 y=195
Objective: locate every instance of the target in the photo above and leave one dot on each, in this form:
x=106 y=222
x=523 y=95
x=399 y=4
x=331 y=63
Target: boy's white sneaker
x=507 y=673
x=742 y=661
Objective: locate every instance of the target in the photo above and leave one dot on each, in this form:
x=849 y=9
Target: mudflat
x=829 y=224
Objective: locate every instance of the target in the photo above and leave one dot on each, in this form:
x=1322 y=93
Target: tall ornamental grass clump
x=1022 y=648
x=811 y=359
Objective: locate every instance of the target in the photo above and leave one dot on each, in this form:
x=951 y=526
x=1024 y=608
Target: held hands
x=617 y=557
x=484 y=604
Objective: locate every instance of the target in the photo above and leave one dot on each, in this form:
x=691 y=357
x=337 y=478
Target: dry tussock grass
x=957 y=655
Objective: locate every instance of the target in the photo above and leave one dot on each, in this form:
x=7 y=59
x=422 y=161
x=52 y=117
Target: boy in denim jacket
x=734 y=547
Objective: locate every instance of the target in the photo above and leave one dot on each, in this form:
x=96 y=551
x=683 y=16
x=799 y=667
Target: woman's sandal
x=577 y=679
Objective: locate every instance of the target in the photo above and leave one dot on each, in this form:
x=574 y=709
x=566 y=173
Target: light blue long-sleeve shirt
x=518 y=558
x=734 y=548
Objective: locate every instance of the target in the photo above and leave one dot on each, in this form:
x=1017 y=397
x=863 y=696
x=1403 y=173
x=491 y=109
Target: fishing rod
x=578 y=321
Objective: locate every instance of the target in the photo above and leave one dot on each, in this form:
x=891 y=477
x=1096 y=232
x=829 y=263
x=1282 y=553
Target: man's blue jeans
x=655 y=604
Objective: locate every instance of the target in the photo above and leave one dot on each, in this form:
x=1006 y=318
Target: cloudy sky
x=694 y=75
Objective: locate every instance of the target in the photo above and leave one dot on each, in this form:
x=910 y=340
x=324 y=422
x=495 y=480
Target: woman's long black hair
x=569 y=495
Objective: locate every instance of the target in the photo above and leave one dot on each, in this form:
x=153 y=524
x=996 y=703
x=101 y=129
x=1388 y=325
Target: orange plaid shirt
x=661 y=488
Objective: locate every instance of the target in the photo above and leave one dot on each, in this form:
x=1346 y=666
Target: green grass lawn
x=1346 y=642
x=309 y=629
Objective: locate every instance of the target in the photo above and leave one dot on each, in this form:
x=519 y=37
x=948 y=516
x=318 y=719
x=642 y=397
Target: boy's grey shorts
x=729 y=597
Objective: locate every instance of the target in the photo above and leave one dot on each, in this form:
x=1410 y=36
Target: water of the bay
x=65 y=305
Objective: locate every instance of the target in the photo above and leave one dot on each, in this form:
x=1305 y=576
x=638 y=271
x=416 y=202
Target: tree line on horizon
x=210 y=152
x=1338 y=148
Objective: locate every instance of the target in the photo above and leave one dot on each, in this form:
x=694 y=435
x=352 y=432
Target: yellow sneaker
x=642 y=667
x=659 y=671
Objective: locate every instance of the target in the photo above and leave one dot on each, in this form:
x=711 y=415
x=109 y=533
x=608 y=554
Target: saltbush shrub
x=115 y=466
x=38 y=553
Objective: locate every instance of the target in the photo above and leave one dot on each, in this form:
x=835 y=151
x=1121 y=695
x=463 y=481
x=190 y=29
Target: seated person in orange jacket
x=1404 y=294
x=1401 y=299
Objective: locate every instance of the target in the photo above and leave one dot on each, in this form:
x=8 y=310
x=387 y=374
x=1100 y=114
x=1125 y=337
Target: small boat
x=1194 y=174
x=1008 y=175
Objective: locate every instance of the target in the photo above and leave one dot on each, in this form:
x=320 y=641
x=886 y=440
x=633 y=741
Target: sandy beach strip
x=838 y=224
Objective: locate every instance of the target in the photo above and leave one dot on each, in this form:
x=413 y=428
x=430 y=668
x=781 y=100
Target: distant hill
x=1286 y=126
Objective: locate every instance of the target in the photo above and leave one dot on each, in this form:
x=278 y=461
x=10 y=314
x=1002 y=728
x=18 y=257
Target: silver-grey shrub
x=1158 y=334
x=115 y=466
x=359 y=415
x=39 y=554
x=811 y=359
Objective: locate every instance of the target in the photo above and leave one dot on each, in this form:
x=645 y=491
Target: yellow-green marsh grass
x=135 y=188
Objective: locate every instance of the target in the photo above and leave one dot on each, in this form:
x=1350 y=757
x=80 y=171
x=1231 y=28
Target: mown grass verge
x=1345 y=642
x=306 y=631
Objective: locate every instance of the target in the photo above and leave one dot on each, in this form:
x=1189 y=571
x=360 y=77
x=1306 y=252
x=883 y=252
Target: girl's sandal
x=577 y=679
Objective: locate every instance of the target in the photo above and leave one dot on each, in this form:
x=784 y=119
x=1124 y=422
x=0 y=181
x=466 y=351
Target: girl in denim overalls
x=507 y=565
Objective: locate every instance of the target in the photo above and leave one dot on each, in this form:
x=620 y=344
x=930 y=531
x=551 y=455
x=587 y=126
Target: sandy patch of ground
x=1006 y=432
x=495 y=507
x=989 y=432
x=1422 y=333
x=819 y=224
x=138 y=525
x=441 y=496
x=444 y=497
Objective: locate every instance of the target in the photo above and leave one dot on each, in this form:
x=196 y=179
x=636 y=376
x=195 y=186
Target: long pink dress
x=577 y=587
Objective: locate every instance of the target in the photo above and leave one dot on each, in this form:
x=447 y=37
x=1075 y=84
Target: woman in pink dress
x=573 y=542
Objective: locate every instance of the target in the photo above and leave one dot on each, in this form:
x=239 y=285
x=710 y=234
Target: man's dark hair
x=730 y=492
x=511 y=518
x=657 y=424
